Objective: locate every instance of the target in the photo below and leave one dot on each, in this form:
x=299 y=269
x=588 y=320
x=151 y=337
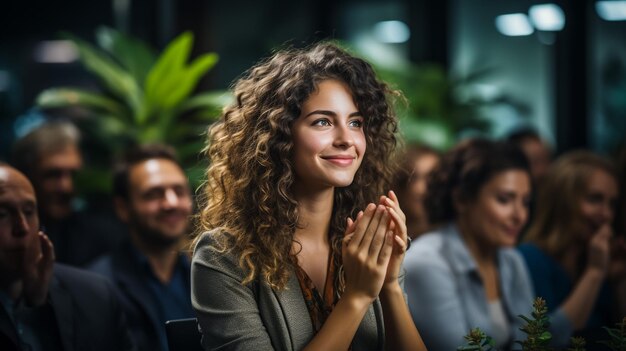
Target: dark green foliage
x=617 y=341
x=536 y=328
x=143 y=97
x=477 y=340
x=578 y=344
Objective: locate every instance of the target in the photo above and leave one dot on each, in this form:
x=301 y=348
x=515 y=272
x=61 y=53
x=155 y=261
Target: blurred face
x=413 y=205
x=538 y=156
x=19 y=224
x=54 y=179
x=597 y=205
x=329 y=141
x=499 y=212
x=159 y=202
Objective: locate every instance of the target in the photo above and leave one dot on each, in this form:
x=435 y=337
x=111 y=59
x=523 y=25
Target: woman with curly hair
x=293 y=253
x=467 y=274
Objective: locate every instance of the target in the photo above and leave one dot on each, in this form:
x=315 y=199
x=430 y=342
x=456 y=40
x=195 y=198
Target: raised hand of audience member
x=38 y=270
x=599 y=250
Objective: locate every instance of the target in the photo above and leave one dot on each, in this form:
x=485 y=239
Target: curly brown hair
x=248 y=193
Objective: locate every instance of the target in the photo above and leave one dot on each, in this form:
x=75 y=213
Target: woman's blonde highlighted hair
x=248 y=193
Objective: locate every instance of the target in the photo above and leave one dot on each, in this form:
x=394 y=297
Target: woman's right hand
x=366 y=250
x=599 y=250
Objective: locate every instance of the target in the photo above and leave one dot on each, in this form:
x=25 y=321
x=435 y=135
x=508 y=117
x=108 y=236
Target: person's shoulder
x=102 y=265
x=511 y=256
x=426 y=250
x=211 y=251
x=536 y=259
x=79 y=279
x=430 y=242
x=530 y=250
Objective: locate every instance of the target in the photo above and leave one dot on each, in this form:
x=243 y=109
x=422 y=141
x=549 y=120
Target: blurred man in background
x=50 y=157
x=43 y=305
x=152 y=196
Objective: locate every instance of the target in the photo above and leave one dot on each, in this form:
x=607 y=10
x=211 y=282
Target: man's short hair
x=134 y=156
x=48 y=138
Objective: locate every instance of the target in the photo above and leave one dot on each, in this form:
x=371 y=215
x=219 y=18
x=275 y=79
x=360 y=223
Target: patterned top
x=319 y=306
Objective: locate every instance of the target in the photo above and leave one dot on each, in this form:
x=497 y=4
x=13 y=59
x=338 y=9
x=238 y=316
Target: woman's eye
x=357 y=123
x=503 y=199
x=321 y=123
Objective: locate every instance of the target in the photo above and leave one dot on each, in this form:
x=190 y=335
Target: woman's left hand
x=398 y=225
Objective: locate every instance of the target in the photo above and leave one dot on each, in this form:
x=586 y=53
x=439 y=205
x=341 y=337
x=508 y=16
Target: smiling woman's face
x=597 y=204
x=500 y=209
x=329 y=141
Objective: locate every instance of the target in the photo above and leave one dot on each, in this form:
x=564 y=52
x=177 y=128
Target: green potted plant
x=143 y=98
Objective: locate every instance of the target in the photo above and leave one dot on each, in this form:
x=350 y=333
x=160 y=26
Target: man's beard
x=152 y=237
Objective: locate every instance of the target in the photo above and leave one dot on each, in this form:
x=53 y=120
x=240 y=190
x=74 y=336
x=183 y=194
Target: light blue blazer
x=447 y=297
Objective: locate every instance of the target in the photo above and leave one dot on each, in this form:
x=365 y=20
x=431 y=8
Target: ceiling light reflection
x=547 y=17
x=392 y=32
x=611 y=10
x=514 y=24
x=55 y=51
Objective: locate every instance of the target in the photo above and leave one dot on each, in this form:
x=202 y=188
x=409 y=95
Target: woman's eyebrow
x=330 y=113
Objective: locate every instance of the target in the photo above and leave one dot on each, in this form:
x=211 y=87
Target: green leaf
x=133 y=54
x=167 y=69
x=545 y=336
x=526 y=319
x=65 y=97
x=181 y=86
x=119 y=82
x=190 y=150
x=211 y=100
x=468 y=348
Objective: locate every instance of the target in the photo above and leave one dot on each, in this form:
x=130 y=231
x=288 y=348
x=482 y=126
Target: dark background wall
x=572 y=89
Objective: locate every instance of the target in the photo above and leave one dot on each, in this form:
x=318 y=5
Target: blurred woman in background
x=410 y=183
x=576 y=262
x=467 y=274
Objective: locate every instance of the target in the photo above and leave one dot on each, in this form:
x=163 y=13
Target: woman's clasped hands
x=373 y=249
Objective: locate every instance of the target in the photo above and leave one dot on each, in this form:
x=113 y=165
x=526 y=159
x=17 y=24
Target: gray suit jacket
x=233 y=316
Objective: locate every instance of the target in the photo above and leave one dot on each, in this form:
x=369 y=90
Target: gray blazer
x=233 y=316
x=447 y=297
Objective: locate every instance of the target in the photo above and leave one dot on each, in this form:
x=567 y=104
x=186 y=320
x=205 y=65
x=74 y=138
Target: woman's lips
x=340 y=160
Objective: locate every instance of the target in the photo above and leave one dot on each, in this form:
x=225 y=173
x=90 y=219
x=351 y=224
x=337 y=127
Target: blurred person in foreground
x=577 y=263
x=298 y=248
x=466 y=273
x=410 y=183
x=151 y=276
x=50 y=157
x=44 y=305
